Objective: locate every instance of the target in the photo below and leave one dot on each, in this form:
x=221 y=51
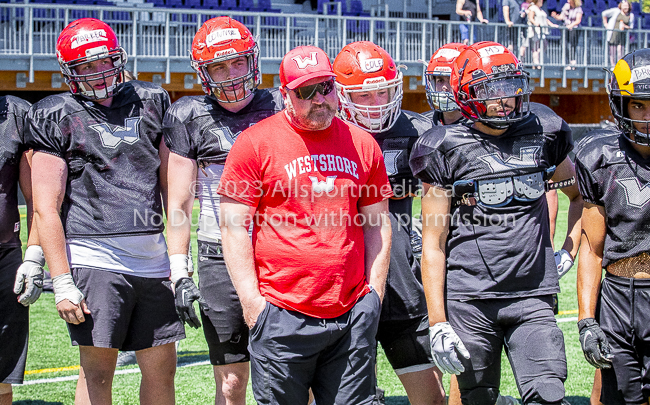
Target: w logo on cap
x=302 y=63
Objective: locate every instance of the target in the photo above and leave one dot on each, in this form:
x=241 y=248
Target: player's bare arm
x=590 y=265
x=163 y=153
x=28 y=283
x=181 y=180
x=235 y=219
x=25 y=181
x=49 y=175
x=566 y=170
x=593 y=340
x=436 y=204
x=377 y=241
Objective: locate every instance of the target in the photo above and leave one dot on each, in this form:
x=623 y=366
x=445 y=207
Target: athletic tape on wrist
x=34 y=253
x=64 y=288
x=178 y=267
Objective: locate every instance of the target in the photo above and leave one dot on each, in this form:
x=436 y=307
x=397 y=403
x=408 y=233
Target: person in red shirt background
x=312 y=279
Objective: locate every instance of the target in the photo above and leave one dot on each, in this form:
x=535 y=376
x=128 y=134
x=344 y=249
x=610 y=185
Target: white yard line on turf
x=571 y=319
x=118 y=372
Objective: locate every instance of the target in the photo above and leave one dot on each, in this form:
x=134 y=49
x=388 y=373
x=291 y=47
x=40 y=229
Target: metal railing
x=29 y=32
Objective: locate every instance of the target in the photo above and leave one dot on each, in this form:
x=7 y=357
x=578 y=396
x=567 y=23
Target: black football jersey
x=436 y=117
x=197 y=127
x=404 y=298
x=112 y=156
x=613 y=175
x=496 y=250
x=12 y=145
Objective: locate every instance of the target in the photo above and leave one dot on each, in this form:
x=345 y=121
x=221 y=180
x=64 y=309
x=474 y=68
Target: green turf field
x=51 y=357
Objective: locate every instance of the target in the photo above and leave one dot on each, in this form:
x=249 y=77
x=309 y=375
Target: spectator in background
x=572 y=16
x=511 y=16
x=617 y=18
x=469 y=10
x=538 y=24
x=523 y=17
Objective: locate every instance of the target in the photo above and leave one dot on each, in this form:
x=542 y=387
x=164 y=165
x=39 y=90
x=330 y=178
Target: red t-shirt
x=307 y=187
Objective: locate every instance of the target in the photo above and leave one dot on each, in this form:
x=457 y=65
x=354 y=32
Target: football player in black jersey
x=488 y=267
x=21 y=281
x=369 y=86
x=199 y=131
x=613 y=176
x=99 y=169
x=444 y=110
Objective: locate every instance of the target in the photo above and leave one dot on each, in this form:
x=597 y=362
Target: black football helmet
x=630 y=79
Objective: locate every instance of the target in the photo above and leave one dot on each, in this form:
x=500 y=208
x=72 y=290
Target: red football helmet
x=362 y=67
x=440 y=65
x=490 y=85
x=87 y=40
x=220 y=39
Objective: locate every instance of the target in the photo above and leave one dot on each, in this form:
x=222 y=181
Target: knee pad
x=547 y=391
x=480 y=396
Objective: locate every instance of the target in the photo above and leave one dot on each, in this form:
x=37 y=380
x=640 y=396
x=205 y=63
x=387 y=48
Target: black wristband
x=585 y=323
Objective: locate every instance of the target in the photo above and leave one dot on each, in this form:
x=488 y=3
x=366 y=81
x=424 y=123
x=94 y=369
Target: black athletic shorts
x=223 y=321
x=14 y=320
x=624 y=316
x=126 y=312
x=292 y=352
x=406 y=344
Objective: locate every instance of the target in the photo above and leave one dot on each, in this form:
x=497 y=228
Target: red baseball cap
x=304 y=63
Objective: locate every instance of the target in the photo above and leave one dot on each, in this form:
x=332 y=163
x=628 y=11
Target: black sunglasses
x=308 y=92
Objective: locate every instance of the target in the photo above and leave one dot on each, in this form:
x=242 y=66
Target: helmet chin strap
x=445 y=104
x=495 y=125
x=99 y=94
x=372 y=123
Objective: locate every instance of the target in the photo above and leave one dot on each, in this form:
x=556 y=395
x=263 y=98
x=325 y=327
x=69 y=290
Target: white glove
x=29 y=277
x=444 y=343
x=178 y=264
x=64 y=289
x=564 y=262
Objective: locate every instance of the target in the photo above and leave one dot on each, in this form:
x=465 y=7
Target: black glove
x=185 y=294
x=594 y=344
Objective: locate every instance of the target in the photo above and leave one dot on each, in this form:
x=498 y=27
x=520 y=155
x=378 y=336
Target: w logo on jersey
x=303 y=63
x=322 y=186
x=637 y=195
x=527 y=158
x=390 y=159
x=225 y=137
x=111 y=137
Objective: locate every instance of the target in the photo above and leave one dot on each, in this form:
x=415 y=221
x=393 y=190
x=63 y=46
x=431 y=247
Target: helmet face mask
x=500 y=101
x=373 y=118
x=630 y=82
x=218 y=40
x=440 y=66
x=442 y=101
x=490 y=86
x=82 y=44
x=363 y=67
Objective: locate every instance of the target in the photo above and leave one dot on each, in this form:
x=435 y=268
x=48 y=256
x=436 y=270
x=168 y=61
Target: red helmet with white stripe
x=220 y=39
x=440 y=66
x=363 y=67
x=88 y=40
x=487 y=73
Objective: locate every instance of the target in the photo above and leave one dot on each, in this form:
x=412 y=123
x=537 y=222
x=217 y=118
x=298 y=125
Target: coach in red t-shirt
x=312 y=280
